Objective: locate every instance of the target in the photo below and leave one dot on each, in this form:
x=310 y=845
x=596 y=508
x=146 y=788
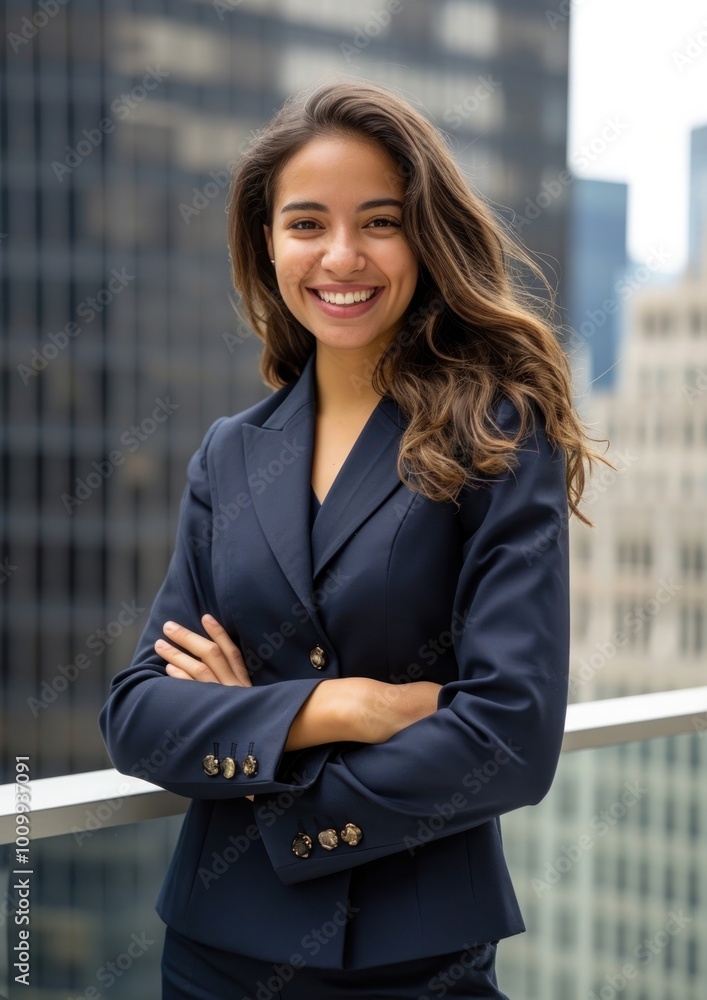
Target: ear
x=268 y=239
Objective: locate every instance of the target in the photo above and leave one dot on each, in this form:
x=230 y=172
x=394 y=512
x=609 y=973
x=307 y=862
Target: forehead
x=346 y=164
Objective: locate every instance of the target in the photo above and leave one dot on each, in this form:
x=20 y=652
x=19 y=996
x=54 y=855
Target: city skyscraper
x=698 y=200
x=119 y=125
x=596 y=263
x=122 y=344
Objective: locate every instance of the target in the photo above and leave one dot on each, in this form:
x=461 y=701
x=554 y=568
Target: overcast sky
x=650 y=74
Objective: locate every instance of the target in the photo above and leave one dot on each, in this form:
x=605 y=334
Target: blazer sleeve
x=494 y=742
x=159 y=727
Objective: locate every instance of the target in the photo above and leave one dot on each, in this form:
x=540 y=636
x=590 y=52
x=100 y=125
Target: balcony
x=635 y=858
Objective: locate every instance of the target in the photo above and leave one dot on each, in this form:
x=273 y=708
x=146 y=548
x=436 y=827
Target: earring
x=272 y=260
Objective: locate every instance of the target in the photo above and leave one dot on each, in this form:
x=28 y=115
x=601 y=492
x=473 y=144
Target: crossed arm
x=339 y=708
x=507 y=706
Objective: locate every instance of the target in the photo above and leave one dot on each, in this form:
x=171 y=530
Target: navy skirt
x=195 y=970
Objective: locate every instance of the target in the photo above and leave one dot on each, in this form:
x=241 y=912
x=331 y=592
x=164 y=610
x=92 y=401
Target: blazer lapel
x=278 y=458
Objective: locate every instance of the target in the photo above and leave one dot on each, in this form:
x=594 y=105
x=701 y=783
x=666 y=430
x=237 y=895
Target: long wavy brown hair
x=474 y=330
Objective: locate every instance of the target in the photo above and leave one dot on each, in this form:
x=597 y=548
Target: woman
x=373 y=560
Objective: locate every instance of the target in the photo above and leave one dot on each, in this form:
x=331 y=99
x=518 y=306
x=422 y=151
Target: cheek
x=296 y=264
x=402 y=262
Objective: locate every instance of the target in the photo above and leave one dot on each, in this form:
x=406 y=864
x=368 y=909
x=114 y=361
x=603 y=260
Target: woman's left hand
x=220 y=659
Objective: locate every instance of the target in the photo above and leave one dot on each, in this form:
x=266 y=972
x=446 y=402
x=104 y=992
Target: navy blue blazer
x=390 y=585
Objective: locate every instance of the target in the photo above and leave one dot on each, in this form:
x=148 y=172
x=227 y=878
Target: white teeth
x=347 y=299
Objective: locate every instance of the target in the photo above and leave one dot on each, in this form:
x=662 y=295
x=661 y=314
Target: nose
x=342 y=254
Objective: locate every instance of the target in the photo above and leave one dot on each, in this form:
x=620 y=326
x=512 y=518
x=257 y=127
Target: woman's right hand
x=384 y=709
x=361 y=710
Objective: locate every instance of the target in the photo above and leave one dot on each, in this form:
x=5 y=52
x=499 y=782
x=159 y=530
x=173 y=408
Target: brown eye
x=387 y=221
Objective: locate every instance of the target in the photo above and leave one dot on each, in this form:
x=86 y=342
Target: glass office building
x=119 y=122
x=121 y=341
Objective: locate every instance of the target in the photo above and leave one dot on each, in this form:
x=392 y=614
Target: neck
x=343 y=379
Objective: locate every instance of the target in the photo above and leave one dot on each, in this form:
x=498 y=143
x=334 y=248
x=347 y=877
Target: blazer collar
x=278 y=458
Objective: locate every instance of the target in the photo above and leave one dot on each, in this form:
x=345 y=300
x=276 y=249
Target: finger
x=251 y=797
x=195 y=669
x=230 y=649
x=178 y=673
x=205 y=650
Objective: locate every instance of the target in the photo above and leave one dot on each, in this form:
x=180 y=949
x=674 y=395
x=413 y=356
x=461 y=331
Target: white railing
x=83 y=803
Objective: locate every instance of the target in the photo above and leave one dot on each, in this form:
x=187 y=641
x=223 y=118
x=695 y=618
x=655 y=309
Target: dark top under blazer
x=393 y=586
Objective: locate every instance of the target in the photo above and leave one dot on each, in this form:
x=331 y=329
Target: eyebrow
x=317 y=206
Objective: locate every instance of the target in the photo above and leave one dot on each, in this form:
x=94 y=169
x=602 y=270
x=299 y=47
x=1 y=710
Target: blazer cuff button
x=302 y=845
x=329 y=839
x=250 y=766
x=210 y=764
x=352 y=834
x=228 y=767
x=317 y=657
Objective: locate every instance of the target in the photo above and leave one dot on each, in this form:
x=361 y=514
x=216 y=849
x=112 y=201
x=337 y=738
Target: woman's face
x=328 y=236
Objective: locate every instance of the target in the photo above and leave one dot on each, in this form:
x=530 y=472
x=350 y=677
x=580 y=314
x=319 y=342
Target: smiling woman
x=342 y=237
x=368 y=605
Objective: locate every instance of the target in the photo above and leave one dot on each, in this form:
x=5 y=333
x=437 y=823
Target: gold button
x=317 y=657
x=352 y=834
x=228 y=767
x=302 y=845
x=210 y=764
x=329 y=839
x=250 y=766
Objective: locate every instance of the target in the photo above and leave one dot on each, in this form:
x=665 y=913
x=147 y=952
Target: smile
x=346 y=298
x=348 y=305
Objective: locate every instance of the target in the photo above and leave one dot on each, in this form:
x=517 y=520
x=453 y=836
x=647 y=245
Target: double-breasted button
x=352 y=834
x=317 y=657
x=302 y=845
x=250 y=766
x=210 y=764
x=329 y=839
